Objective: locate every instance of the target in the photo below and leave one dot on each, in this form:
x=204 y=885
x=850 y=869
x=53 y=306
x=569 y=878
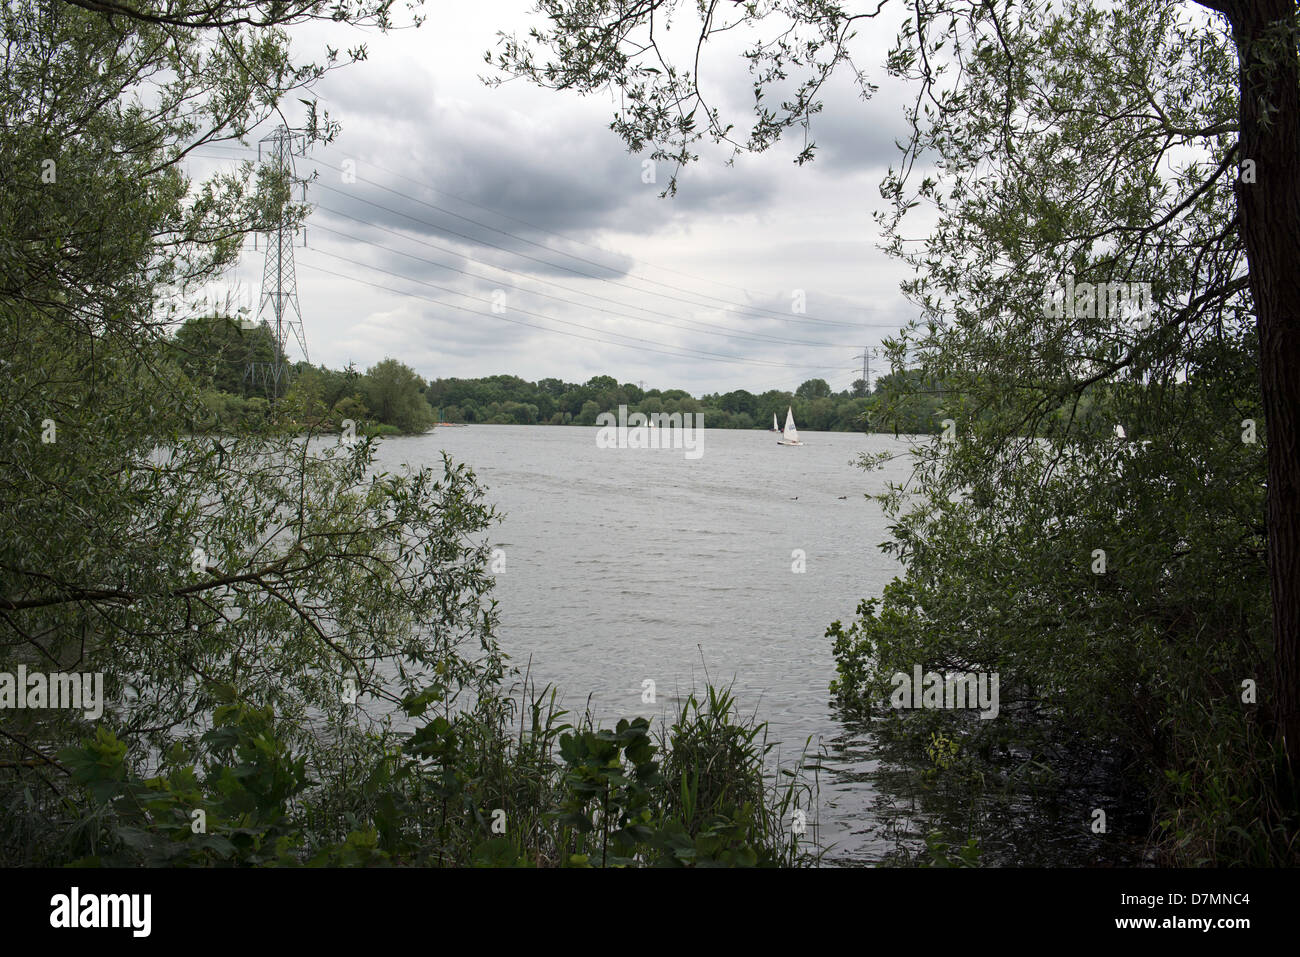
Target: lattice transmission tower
x=279 y=306
x=866 y=357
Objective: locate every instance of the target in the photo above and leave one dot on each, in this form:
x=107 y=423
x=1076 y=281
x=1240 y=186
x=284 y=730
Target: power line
x=578 y=272
x=771 y=313
x=548 y=282
x=688 y=354
x=754 y=337
x=540 y=229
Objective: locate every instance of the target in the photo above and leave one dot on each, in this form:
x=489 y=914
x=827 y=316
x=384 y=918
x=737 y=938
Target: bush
x=462 y=789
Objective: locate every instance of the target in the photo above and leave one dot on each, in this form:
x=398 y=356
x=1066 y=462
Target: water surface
x=623 y=565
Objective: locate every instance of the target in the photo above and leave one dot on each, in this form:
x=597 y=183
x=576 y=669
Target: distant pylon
x=866 y=369
x=279 y=303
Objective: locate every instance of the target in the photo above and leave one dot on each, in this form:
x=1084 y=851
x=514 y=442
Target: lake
x=623 y=565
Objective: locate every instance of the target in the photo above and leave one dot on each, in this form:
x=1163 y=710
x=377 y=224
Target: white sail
x=775 y=427
x=790 y=433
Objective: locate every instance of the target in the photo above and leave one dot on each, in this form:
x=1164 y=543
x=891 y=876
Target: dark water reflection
x=1016 y=817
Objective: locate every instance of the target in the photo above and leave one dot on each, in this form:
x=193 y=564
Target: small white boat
x=775 y=427
x=789 y=435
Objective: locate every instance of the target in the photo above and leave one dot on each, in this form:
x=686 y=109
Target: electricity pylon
x=279 y=303
x=866 y=368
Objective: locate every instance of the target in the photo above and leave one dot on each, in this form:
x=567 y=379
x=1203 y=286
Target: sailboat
x=775 y=427
x=789 y=435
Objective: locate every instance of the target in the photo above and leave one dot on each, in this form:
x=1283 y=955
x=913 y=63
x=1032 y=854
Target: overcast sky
x=523 y=199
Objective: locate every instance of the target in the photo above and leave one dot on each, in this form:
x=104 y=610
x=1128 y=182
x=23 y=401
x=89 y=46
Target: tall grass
x=514 y=781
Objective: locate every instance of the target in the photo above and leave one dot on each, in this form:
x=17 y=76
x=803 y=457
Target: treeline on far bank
x=897 y=402
x=233 y=362
x=509 y=399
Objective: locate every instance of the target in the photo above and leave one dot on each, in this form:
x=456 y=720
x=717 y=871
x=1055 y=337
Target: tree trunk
x=1270 y=223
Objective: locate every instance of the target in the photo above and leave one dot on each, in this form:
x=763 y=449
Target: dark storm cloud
x=557 y=172
x=442 y=228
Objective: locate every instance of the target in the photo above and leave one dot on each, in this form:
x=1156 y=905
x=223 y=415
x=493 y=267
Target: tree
x=219 y=352
x=192 y=572
x=739 y=401
x=1268 y=121
x=306 y=400
x=1139 y=520
x=350 y=407
x=393 y=393
x=813 y=389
